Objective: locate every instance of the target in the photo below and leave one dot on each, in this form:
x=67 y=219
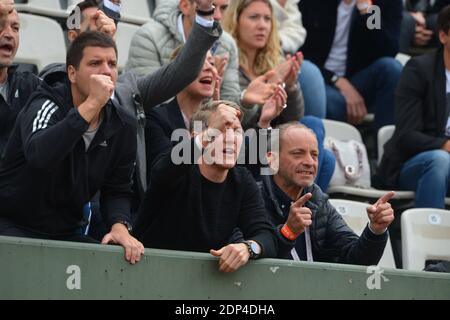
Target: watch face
x=255 y=248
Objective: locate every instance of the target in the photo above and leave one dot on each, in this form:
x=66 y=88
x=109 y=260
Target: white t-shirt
x=447 y=74
x=447 y=127
x=337 y=60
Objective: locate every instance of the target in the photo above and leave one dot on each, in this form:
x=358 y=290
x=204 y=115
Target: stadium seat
x=384 y=135
x=51 y=8
x=125 y=32
x=41 y=41
x=425 y=236
x=344 y=131
x=136 y=11
x=354 y=214
x=133 y=11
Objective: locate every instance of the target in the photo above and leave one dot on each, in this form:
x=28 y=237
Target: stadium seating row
x=35 y=49
x=135 y=11
x=424 y=232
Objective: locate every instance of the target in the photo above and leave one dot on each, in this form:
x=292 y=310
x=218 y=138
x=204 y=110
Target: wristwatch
x=127 y=225
x=253 y=248
x=335 y=78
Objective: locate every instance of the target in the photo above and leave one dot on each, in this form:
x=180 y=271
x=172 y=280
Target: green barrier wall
x=31 y=269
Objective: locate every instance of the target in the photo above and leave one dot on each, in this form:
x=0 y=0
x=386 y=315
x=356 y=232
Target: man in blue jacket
x=302 y=212
x=354 y=44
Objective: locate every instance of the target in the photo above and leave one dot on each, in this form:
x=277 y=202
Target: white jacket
x=291 y=30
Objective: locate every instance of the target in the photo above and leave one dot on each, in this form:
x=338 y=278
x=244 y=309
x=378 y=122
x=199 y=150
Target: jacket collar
x=175 y=114
x=440 y=89
x=318 y=199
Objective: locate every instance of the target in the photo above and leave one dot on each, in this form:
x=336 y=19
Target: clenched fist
x=104 y=24
x=6 y=7
x=101 y=89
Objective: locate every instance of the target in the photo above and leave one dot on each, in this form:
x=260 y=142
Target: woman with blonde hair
x=254 y=28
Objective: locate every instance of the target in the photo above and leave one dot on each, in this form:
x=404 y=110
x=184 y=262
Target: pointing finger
x=388 y=196
x=303 y=200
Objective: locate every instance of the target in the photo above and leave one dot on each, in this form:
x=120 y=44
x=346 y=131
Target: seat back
x=125 y=33
x=384 y=135
x=341 y=130
x=46 y=4
x=425 y=236
x=32 y=49
x=355 y=215
x=51 y=8
x=139 y=9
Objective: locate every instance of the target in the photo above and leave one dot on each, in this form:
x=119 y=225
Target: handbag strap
x=351 y=176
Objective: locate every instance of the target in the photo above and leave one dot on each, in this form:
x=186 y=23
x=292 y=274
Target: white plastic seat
x=355 y=215
x=344 y=131
x=341 y=130
x=425 y=236
x=136 y=11
x=384 y=135
x=50 y=8
x=370 y=193
x=32 y=49
x=124 y=35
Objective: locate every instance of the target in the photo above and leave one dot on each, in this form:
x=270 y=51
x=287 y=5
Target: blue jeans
x=327 y=160
x=428 y=174
x=313 y=88
x=376 y=84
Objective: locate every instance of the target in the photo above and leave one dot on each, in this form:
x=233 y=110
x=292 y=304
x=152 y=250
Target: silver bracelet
x=241 y=99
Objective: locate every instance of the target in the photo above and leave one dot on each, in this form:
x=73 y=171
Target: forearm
x=116 y=209
x=169 y=80
x=285 y=246
x=367 y=250
x=46 y=148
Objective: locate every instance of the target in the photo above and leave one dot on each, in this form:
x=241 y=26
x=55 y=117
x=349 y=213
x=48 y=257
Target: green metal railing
x=35 y=269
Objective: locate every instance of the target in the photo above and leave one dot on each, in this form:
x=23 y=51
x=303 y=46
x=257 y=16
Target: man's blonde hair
x=209 y=107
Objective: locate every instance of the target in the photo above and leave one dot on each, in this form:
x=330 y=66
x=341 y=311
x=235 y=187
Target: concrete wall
x=35 y=269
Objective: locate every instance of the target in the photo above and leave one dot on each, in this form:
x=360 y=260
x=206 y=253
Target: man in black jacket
x=355 y=57
x=15 y=86
x=196 y=200
x=417 y=157
x=302 y=211
x=139 y=95
x=69 y=142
